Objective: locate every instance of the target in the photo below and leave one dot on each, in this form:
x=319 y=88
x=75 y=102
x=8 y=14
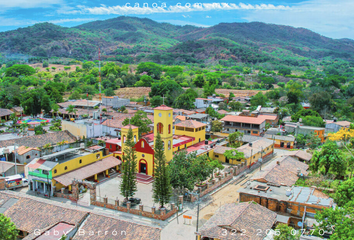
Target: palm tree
x=70 y=109
x=55 y=108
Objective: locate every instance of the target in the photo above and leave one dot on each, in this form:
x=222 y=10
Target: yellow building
x=163 y=123
x=252 y=151
x=192 y=129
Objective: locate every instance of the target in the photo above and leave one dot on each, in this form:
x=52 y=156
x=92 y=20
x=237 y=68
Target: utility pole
x=198 y=213
x=15 y=159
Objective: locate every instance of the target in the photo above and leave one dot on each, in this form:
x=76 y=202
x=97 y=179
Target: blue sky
x=331 y=18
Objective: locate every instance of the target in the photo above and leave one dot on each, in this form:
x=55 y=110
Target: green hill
x=130 y=39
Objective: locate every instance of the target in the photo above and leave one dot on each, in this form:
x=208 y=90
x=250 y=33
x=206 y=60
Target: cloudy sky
x=331 y=18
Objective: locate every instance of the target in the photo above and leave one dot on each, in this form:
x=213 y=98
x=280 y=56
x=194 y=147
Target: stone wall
x=141 y=212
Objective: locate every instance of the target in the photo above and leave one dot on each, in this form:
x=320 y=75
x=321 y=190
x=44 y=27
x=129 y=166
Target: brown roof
x=5 y=112
x=248 y=219
x=282 y=171
x=222 y=150
x=18 y=109
x=23 y=149
x=243 y=119
x=222 y=111
x=257 y=146
x=190 y=124
x=114 y=228
x=299 y=154
x=88 y=170
x=180 y=117
x=82 y=103
x=40 y=140
x=4 y=166
x=163 y=107
x=29 y=215
x=118 y=118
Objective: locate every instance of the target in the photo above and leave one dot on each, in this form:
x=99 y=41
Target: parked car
x=134 y=201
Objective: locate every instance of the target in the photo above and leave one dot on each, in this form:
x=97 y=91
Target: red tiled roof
x=113 y=141
x=163 y=107
x=88 y=170
x=184 y=140
x=37 y=164
x=243 y=119
x=190 y=124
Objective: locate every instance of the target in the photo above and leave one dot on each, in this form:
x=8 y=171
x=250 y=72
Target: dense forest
x=134 y=40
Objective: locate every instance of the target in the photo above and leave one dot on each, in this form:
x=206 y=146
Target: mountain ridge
x=142 y=39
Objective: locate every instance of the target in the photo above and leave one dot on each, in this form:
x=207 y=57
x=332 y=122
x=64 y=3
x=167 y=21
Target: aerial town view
x=176 y=120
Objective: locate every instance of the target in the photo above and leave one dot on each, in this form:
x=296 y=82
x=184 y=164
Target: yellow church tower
x=124 y=134
x=163 y=124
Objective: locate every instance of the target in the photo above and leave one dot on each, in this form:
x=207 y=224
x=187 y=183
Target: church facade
x=187 y=134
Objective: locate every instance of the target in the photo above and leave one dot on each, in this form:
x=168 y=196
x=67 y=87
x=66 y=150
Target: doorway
x=143 y=167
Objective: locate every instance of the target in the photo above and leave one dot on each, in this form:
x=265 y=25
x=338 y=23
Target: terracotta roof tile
x=40 y=140
x=282 y=171
x=39 y=215
x=131 y=231
x=246 y=219
x=163 y=107
x=23 y=149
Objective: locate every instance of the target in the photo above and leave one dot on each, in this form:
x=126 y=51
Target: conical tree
x=128 y=185
x=162 y=189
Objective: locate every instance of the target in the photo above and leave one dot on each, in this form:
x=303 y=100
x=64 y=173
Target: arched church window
x=160 y=128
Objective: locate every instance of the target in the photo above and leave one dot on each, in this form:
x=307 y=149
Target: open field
x=59 y=67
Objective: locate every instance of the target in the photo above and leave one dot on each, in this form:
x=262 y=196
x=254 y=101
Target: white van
x=15 y=181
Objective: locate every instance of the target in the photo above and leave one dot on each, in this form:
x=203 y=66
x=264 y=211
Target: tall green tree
x=140 y=120
x=339 y=221
x=259 y=99
x=344 y=192
x=162 y=189
x=329 y=160
x=46 y=104
x=128 y=185
x=8 y=230
x=235 y=139
x=285 y=232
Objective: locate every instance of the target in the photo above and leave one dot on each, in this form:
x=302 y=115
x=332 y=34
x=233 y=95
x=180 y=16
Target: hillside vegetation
x=133 y=40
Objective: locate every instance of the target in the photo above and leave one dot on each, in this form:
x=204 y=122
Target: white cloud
x=207 y=17
x=178 y=8
x=72 y=20
x=19 y=22
x=28 y=3
x=330 y=18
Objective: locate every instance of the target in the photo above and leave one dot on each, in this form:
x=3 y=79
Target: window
x=160 y=128
x=80 y=161
x=169 y=128
x=142 y=144
x=217 y=156
x=28 y=156
x=254 y=132
x=134 y=138
x=143 y=155
x=199 y=139
x=169 y=145
x=98 y=156
x=110 y=146
x=160 y=115
x=45 y=172
x=55 y=171
x=66 y=168
x=169 y=114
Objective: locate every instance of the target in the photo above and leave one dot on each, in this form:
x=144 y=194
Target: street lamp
x=198 y=201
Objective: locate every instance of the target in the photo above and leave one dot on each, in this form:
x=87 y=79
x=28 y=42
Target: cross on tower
x=163 y=99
